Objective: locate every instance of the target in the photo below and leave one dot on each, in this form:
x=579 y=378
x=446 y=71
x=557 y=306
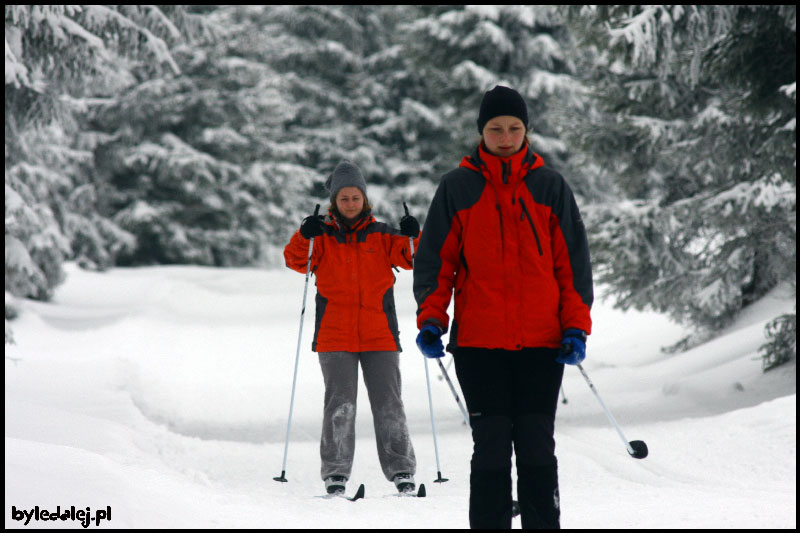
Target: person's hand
x=312 y=226
x=429 y=341
x=573 y=347
x=409 y=226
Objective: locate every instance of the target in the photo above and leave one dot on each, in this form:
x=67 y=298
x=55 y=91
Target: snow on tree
x=209 y=167
x=255 y=118
x=339 y=64
x=267 y=109
x=459 y=52
x=142 y=134
x=692 y=118
x=59 y=60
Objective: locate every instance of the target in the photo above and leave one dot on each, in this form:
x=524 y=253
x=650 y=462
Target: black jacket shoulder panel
x=548 y=187
x=381 y=227
x=462 y=188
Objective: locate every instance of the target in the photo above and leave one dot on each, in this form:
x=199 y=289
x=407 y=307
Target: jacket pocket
x=533 y=226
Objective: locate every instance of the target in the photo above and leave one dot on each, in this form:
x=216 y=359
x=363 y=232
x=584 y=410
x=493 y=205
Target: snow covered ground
x=163 y=394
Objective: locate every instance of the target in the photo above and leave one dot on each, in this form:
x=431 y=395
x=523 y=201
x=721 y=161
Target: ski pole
x=449 y=364
x=410 y=239
x=563 y=396
x=637 y=448
x=455 y=394
x=282 y=477
x=440 y=479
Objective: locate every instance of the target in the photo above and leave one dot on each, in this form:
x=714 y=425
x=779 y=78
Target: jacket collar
x=365 y=220
x=503 y=170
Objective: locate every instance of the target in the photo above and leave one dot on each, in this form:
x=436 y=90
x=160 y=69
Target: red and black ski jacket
x=355 y=283
x=504 y=234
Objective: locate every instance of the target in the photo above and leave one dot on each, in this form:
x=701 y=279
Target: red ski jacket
x=355 y=282
x=504 y=234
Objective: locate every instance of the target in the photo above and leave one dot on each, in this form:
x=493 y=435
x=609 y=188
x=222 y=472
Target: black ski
x=419 y=493
x=514 y=509
x=359 y=494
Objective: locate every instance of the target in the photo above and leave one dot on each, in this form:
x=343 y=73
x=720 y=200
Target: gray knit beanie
x=346 y=174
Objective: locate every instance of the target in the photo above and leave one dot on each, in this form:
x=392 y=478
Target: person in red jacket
x=504 y=234
x=352 y=259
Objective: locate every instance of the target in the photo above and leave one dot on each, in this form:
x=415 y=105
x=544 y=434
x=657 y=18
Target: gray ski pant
x=382 y=378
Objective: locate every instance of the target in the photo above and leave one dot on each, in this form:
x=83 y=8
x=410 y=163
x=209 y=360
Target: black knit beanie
x=502 y=101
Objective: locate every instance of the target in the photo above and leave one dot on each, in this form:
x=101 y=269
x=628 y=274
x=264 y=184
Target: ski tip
x=421 y=492
x=359 y=493
x=639 y=449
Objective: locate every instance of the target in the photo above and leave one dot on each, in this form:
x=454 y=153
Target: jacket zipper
x=499 y=212
x=502 y=233
x=533 y=226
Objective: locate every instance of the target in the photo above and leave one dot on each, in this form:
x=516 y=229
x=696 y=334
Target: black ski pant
x=512 y=398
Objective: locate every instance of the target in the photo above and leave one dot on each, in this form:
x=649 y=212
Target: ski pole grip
x=316 y=211
x=406 y=208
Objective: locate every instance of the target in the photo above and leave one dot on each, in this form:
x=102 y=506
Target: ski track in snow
x=164 y=394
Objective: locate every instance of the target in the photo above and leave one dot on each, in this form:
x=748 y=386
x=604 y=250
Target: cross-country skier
x=352 y=258
x=504 y=233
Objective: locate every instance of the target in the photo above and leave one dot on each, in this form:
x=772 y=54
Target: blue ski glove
x=573 y=347
x=429 y=341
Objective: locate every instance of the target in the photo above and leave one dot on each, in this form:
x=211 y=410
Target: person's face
x=350 y=202
x=504 y=135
